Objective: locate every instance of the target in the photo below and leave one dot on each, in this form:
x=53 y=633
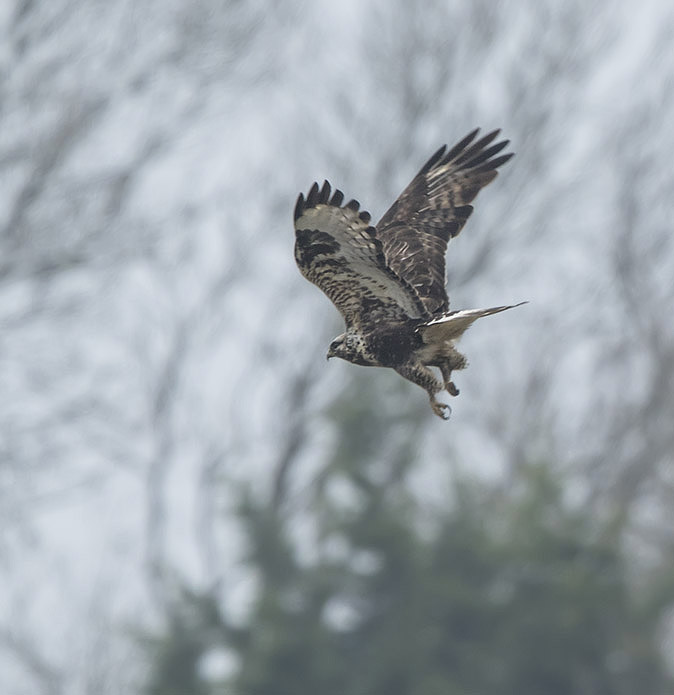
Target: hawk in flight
x=388 y=280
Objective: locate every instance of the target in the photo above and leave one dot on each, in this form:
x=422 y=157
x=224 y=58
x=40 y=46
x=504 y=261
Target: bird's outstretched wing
x=337 y=250
x=434 y=207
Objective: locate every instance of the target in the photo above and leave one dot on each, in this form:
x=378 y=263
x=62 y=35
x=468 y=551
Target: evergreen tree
x=513 y=593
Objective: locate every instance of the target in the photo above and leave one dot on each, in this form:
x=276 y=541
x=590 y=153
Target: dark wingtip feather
x=460 y=146
x=324 y=194
x=337 y=198
x=484 y=141
x=475 y=150
x=495 y=149
x=433 y=160
x=481 y=156
x=312 y=197
x=499 y=161
x=491 y=136
x=299 y=206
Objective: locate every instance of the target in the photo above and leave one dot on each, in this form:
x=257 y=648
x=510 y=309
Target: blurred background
x=192 y=501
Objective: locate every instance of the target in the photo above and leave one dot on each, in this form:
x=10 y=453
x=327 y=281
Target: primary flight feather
x=388 y=280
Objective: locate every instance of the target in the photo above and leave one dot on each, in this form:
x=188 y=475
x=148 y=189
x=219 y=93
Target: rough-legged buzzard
x=388 y=281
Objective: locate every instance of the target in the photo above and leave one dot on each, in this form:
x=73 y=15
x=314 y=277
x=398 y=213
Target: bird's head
x=338 y=348
x=348 y=347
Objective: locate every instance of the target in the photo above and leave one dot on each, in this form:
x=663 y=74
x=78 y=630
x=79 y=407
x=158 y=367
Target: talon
x=452 y=390
x=441 y=410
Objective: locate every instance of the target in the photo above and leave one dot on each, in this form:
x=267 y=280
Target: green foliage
x=192 y=624
x=500 y=594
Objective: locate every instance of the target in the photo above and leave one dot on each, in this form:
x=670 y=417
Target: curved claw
x=451 y=389
x=441 y=409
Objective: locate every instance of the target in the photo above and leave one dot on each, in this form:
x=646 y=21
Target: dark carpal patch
x=313 y=242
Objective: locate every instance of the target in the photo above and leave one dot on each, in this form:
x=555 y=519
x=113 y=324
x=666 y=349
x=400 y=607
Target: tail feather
x=452 y=326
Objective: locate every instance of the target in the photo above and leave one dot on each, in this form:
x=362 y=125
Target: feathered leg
x=447 y=377
x=453 y=359
x=424 y=377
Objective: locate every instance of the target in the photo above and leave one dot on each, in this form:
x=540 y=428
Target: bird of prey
x=388 y=280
